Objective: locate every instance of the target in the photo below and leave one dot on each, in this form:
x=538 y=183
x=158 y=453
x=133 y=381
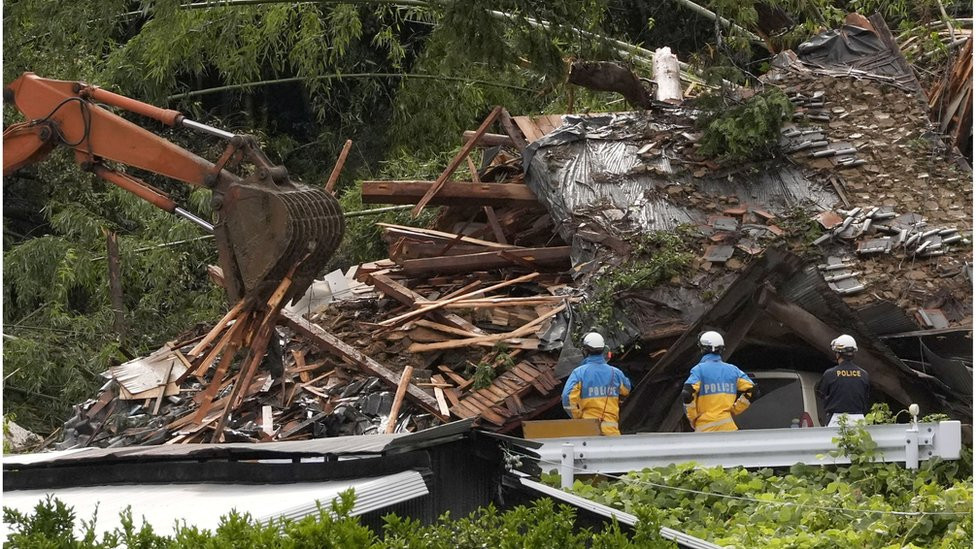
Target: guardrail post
x=566 y=466
x=911 y=439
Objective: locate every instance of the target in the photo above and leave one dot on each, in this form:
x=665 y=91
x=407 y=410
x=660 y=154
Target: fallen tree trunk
x=612 y=77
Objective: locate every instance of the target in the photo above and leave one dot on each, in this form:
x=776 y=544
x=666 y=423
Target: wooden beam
x=453 y=193
x=491 y=139
x=456 y=161
x=332 y=344
x=398 y=399
x=557 y=257
x=216 y=330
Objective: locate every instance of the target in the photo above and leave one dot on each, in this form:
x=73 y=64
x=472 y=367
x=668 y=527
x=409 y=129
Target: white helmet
x=593 y=342
x=844 y=344
x=711 y=341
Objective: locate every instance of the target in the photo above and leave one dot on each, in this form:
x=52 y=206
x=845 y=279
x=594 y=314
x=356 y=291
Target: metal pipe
x=203 y=128
x=194 y=219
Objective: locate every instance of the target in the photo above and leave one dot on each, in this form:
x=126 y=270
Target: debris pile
x=475 y=317
x=903 y=219
x=451 y=326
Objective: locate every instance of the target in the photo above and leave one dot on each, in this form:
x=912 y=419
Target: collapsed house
x=862 y=225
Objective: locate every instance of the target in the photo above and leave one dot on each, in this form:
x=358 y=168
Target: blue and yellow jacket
x=593 y=390
x=718 y=388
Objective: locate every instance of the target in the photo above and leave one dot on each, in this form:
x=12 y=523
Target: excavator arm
x=265 y=224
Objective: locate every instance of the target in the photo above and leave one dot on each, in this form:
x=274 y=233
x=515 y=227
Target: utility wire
x=745 y=498
x=340 y=76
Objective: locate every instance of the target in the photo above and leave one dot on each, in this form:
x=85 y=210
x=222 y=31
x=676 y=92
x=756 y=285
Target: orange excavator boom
x=265 y=223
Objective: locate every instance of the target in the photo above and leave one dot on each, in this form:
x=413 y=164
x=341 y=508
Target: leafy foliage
x=805 y=506
x=57 y=311
x=747 y=131
x=655 y=258
x=541 y=525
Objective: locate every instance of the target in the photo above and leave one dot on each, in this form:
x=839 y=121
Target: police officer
x=716 y=390
x=595 y=388
x=845 y=388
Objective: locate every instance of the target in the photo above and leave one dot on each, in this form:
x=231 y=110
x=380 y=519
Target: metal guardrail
x=903 y=443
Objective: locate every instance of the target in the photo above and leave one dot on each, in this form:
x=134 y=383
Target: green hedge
x=541 y=525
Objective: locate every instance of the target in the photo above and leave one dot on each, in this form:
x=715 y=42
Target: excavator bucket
x=263 y=231
x=268 y=227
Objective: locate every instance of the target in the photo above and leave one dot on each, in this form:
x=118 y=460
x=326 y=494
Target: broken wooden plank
x=457 y=343
x=495 y=302
x=334 y=345
x=456 y=161
x=337 y=169
x=409 y=298
x=231 y=338
x=391 y=421
x=433 y=306
x=443 y=328
x=556 y=257
x=496 y=226
x=217 y=329
x=475 y=177
x=441 y=400
x=466 y=289
x=509 y=127
x=455 y=377
x=453 y=193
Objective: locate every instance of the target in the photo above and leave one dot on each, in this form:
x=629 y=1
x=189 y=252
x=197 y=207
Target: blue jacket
x=717 y=386
x=593 y=390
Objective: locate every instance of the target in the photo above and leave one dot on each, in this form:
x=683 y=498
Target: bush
x=540 y=525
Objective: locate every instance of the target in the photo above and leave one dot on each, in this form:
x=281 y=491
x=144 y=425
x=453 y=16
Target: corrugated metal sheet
x=589 y=172
x=884 y=317
x=202 y=505
x=365 y=444
x=337 y=446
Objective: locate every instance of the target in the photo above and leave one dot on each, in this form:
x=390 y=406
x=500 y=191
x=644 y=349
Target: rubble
x=474 y=317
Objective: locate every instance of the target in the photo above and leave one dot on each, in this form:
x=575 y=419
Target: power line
x=340 y=76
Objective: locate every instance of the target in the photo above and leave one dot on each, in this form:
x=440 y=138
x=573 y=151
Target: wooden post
x=115 y=282
x=398 y=399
